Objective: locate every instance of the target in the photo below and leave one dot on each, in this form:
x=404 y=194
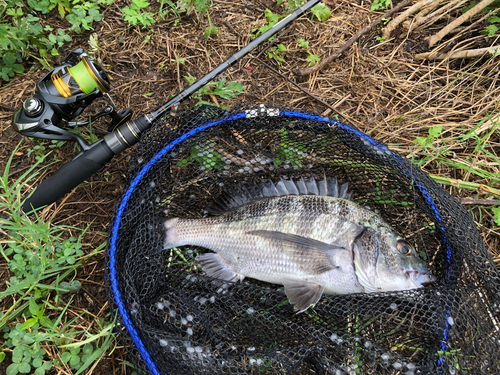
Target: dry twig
x=386 y=32
x=460 y=54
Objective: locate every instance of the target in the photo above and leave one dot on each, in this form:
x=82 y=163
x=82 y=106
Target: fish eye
x=404 y=247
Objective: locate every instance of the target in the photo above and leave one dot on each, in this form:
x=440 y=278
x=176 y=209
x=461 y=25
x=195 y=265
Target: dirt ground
x=378 y=87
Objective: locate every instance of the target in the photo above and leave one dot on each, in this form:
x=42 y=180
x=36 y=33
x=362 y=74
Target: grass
x=39 y=326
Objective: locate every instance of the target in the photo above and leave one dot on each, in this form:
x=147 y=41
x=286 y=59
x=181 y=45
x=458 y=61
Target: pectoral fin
x=314 y=256
x=214 y=266
x=302 y=294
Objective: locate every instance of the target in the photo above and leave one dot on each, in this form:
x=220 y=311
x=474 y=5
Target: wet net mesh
x=176 y=320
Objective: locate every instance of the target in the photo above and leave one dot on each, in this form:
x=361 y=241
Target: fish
x=305 y=234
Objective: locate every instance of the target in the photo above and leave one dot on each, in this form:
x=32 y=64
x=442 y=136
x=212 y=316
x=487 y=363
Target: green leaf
x=46 y=322
x=88 y=349
x=2 y=356
x=313 y=59
x=435 y=131
x=34 y=308
x=74 y=360
x=13 y=369
x=29 y=323
x=211 y=30
x=47 y=365
x=494 y=19
x=9 y=59
x=490 y=30
x=28 y=338
x=40 y=371
x=140 y=3
x=18 y=68
x=321 y=11
x=423 y=141
x=468 y=7
x=65 y=357
x=37 y=362
x=303 y=44
x=496 y=215
x=380 y=4
x=24 y=367
x=271 y=17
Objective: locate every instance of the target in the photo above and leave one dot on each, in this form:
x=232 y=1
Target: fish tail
x=171 y=237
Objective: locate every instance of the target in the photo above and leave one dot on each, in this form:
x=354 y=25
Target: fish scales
x=311 y=216
x=289 y=234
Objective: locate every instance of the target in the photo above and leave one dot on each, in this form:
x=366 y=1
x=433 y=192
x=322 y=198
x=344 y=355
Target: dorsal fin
x=247 y=193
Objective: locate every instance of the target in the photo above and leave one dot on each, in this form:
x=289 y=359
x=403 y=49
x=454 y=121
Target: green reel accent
x=84 y=77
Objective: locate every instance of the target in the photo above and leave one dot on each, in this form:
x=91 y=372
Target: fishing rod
x=63 y=93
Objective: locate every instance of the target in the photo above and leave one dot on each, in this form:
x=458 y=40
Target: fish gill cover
x=177 y=320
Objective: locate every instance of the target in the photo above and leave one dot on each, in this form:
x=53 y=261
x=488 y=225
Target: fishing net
x=176 y=320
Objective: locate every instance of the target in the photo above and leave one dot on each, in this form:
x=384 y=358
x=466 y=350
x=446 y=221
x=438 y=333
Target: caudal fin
x=171 y=237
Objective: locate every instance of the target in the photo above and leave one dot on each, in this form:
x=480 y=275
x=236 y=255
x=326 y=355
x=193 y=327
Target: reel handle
x=69 y=176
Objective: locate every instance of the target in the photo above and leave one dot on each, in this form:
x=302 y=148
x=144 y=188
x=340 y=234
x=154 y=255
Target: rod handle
x=69 y=176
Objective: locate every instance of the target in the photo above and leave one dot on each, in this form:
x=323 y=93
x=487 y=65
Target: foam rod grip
x=69 y=176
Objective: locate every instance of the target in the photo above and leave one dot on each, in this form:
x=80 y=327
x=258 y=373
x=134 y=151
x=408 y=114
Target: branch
x=464 y=17
x=350 y=42
x=386 y=32
x=461 y=54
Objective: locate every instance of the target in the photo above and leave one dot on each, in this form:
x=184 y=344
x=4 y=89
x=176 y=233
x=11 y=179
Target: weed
x=202 y=6
x=164 y=11
x=288 y=152
x=42 y=264
x=23 y=35
x=380 y=5
x=303 y=43
x=81 y=19
x=321 y=11
x=205 y=155
x=229 y=91
x=496 y=215
x=428 y=141
x=135 y=14
x=272 y=19
x=276 y=53
x=380 y=39
x=311 y=58
x=38 y=151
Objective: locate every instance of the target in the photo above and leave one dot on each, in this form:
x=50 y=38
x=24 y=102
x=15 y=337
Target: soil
x=379 y=88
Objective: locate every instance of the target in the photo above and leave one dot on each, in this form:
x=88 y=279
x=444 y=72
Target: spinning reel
x=62 y=95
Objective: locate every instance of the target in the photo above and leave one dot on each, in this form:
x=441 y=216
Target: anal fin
x=214 y=266
x=302 y=294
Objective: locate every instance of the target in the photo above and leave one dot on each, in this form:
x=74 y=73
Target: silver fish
x=305 y=234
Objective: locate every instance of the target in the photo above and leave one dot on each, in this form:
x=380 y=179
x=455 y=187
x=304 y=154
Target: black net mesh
x=176 y=320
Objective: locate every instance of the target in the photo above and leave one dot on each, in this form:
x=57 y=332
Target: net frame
x=352 y=138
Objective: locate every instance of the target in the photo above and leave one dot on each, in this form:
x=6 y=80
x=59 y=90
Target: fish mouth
x=421 y=279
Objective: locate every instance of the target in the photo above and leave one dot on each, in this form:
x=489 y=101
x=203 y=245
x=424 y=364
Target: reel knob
x=32 y=107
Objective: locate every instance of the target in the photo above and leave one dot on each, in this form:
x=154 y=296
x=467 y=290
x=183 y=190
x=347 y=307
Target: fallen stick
x=437 y=14
x=350 y=42
x=479 y=202
x=386 y=32
x=423 y=14
x=460 y=54
x=464 y=17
